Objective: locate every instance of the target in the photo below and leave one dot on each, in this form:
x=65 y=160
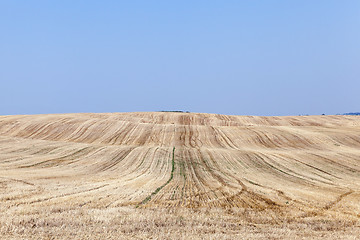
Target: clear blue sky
x=229 y=57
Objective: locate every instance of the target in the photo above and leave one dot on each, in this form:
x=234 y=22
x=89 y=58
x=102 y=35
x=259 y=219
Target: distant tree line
x=177 y=111
x=353 y=113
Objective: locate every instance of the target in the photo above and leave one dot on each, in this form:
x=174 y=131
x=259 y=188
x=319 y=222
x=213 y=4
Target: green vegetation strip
x=148 y=198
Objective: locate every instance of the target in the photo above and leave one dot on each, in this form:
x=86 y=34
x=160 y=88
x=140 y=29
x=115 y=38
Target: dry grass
x=160 y=223
x=179 y=176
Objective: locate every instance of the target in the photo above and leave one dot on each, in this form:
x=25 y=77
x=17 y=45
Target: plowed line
x=330 y=205
x=62 y=195
x=148 y=198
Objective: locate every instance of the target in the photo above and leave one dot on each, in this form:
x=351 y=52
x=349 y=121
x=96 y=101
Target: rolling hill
x=257 y=170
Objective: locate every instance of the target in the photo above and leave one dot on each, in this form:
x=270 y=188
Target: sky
x=267 y=58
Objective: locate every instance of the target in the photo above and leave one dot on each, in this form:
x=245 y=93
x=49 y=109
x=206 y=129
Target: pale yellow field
x=179 y=176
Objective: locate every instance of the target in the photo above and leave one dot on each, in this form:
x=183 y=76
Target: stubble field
x=164 y=175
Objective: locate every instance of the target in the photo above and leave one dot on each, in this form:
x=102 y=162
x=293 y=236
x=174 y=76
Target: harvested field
x=178 y=176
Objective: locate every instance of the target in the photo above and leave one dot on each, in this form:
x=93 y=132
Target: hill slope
x=294 y=166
